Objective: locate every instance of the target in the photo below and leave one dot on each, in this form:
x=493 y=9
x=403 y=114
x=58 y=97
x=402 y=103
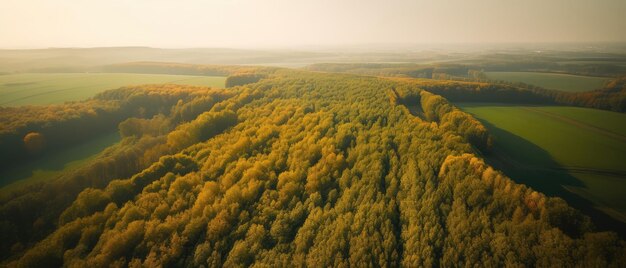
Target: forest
x=462 y=83
x=287 y=167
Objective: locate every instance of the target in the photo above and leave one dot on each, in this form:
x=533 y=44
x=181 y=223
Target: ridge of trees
x=434 y=108
x=240 y=79
x=612 y=97
x=467 y=83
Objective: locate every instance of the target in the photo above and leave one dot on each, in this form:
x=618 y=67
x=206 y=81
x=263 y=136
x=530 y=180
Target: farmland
x=565 y=82
x=553 y=148
x=55 y=88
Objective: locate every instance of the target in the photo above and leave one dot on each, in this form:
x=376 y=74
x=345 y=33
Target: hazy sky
x=292 y=23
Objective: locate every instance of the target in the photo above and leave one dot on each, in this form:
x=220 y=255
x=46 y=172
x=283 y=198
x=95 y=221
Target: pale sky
x=293 y=23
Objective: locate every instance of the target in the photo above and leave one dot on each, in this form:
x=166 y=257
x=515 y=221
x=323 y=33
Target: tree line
x=612 y=97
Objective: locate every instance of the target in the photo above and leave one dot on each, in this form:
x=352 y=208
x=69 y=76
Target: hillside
x=295 y=169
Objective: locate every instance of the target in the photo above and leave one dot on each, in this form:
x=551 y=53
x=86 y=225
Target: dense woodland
x=612 y=97
x=87 y=119
x=463 y=84
x=294 y=169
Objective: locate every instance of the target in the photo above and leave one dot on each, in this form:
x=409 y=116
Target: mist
x=297 y=24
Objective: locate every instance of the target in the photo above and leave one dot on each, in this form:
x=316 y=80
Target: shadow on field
x=57 y=160
x=535 y=167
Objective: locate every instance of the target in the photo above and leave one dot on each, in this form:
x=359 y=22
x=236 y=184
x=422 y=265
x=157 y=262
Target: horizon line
x=338 y=45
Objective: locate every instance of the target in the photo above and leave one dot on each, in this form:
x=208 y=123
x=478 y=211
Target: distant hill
x=85 y=59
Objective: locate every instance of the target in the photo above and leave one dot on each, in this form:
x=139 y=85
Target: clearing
x=564 y=82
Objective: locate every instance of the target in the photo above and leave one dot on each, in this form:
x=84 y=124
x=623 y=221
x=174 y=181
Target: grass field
x=55 y=164
x=561 y=151
x=42 y=89
x=586 y=62
x=565 y=82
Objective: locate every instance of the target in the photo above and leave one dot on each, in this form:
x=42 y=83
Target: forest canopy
x=295 y=169
x=468 y=83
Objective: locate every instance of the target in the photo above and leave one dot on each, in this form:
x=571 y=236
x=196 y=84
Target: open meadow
x=55 y=88
x=564 y=82
x=552 y=148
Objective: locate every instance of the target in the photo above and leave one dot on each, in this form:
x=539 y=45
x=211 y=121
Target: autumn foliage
x=298 y=169
x=34 y=142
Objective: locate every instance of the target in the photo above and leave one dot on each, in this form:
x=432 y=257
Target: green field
x=554 y=148
x=44 y=88
x=587 y=62
x=565 y=82
x=57 y=163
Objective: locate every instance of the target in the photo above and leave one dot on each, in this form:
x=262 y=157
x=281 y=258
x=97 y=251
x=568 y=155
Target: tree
x=34 y=142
